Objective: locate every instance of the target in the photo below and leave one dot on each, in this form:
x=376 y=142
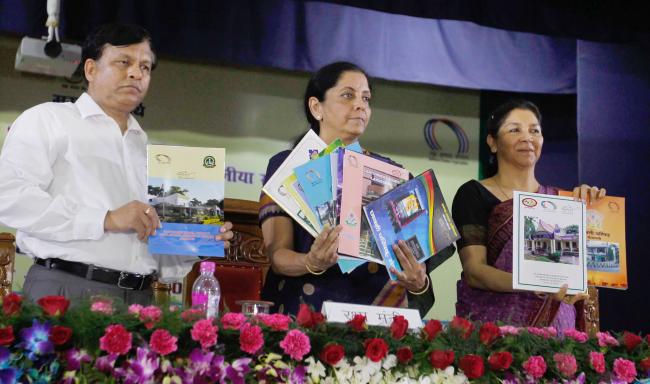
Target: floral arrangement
x=105 y=341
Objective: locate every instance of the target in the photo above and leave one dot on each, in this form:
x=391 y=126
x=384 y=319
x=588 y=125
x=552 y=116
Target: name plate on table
x=375 y=315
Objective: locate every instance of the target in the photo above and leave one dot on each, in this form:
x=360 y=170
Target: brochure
x=186 y=187
x=274 y=188
x=364 y=180
x=416 y=213
x=549 y=243
x=606 y=252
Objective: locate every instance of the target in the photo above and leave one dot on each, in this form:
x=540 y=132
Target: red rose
x=645 y=365
x=376 y=349
x=647 y=339
x=307 y=318
x=404 y=355
x=463 y=326
x=60 y=335
x=472 y=366
x=441 y=359
x=162 y=342
x=399 y=327
x=500 y=361
x=54 y=305
x=488 y=333
x=11 y=304
x=631 y=340
x=358 y=323
x=332 y=354
x=7 y=335
x=116 y=340
x=432 y=329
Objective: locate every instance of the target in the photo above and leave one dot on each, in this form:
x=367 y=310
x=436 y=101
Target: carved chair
x=7 y=256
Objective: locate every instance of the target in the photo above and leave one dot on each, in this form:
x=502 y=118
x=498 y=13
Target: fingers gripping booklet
x=416 y=213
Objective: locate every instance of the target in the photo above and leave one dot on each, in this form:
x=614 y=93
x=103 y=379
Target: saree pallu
x=515 y=308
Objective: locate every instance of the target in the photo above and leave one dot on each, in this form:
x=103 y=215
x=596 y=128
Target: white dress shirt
x=62 y=168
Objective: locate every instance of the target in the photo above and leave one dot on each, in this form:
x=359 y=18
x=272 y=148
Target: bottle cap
x=207 y=266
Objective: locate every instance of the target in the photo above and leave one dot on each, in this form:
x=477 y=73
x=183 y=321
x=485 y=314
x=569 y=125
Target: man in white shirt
x=73 y=180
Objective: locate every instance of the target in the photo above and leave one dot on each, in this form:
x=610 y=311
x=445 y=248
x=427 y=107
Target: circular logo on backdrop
x=209 y=162
x=430 y=134
x=529 y=202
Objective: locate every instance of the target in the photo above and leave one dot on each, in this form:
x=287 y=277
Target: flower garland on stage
x=103 y=341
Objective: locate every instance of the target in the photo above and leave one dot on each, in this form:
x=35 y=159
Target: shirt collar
x=88 y=107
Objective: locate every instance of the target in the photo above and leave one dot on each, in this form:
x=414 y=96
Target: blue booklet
x=315 y=178
x=186 y=187
x=416 y=213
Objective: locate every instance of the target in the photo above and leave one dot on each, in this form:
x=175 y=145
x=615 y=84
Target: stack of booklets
x=321 y=185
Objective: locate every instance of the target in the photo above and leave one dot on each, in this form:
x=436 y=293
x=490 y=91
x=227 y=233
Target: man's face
x=118 y=81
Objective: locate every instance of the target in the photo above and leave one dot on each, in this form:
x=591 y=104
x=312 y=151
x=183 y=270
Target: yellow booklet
x=606 y=256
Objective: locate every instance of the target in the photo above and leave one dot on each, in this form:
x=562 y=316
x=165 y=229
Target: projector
x=31 y=57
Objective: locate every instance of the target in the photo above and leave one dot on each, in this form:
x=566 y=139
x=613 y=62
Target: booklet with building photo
x=606 y=253
x=186 y=187
x=416 y=213
x=549 y=245
x=364 y=180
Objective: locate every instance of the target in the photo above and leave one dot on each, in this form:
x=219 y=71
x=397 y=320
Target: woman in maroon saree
x=483 y=213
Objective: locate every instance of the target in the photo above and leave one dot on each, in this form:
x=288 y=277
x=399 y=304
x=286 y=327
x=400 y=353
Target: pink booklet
x=364 y=180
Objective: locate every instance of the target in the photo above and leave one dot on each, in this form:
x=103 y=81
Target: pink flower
x=576 y=335
x=566 y=364
x=605 y=339
x=551 y=331
x=116 y=340
x=232 y=320
x=205 y=333
x=104 y=306
x=624 y=370
x=135 y=309
x=173 y=308
x=150 y=315
x=162 y=342
x=276 y=321
x=251 y=338
x=509 y=330
x=192 y=314
x=535 y=366
x=295 y=344
x=546 y=333
x=597 y=362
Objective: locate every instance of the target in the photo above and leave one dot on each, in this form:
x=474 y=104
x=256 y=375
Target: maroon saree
x=516 y=308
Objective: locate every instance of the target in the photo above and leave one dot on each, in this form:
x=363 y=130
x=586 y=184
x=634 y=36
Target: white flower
x=390 y=362
x=315 y=369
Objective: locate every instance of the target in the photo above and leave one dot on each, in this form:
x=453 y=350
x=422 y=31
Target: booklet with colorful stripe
x=416 y=213
x=186 y=187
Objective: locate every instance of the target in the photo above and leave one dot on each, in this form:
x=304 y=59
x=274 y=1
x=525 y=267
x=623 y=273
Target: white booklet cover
x=549 y=243
x=310 y=143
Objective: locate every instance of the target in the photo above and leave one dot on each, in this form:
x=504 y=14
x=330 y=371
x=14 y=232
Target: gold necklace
x=501 y=189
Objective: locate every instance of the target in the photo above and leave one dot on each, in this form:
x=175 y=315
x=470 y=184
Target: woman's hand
x=569 y=299
x=588 y=194
x=414 y=275
x=322 y=254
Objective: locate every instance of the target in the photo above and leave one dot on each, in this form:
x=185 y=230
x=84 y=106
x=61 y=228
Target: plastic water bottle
x=206 y=292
